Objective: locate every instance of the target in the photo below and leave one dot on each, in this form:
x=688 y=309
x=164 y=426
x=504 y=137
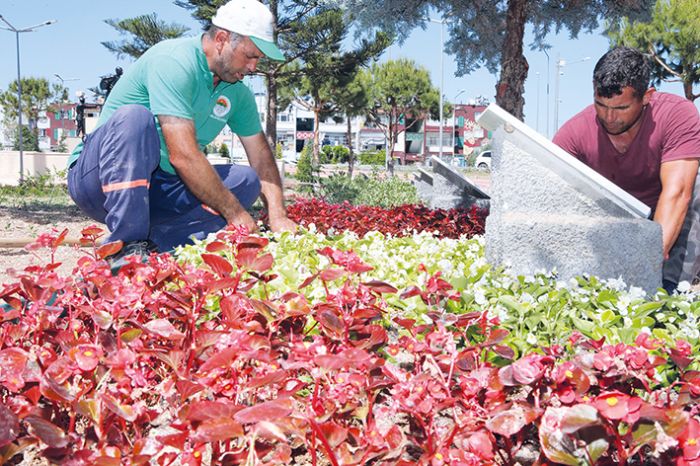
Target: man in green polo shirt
x=142 y=171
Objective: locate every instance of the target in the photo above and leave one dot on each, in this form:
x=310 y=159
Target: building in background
x=61 y=120
x=295 y=128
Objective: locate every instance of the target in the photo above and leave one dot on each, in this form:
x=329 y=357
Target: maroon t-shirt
x=670 y=130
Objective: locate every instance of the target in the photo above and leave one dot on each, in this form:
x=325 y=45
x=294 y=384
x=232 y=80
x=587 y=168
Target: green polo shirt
x=173 y=78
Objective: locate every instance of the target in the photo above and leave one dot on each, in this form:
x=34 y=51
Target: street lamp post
x=19 y=85
x=537 y=114
x=63 y=119
x=454 y=120
x=442 y=74
x=548 y=73
x=561 y=63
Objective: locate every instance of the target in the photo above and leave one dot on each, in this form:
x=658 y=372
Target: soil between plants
x=28 y=222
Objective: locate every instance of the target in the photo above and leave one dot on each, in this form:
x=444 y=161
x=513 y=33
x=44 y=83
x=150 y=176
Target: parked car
x=483 y=160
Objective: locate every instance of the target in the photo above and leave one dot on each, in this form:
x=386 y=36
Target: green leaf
x=509 y=302
x=597 y=448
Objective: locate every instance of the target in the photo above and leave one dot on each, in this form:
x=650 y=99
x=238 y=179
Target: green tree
x=672 y=39
x=399 y=90
x=223 y=151
x=142 y=33
x=30 y=139
x=327 y=69
x=490 y=33
x=37 y=95
x=353 y=101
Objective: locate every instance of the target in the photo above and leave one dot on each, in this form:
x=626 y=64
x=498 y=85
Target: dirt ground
x=27 y=223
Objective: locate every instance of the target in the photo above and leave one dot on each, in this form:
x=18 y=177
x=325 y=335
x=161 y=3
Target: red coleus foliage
x=398 y=221
x=135 y=368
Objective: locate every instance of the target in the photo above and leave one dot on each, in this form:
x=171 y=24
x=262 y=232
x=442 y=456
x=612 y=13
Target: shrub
x=373 y=191
x=223 y=151
x=306 y=172
x=377 y=157
x=334 y=154
x=279 y=151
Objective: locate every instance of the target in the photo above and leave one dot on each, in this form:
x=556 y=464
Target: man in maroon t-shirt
x=648 y=143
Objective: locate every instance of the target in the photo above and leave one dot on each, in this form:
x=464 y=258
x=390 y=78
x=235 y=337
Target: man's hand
x=282 y=223
x=244 y=219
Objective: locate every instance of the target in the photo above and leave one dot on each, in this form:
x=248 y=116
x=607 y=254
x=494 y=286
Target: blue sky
x=71 y=48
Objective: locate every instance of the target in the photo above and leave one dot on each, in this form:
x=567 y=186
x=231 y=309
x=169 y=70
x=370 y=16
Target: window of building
x=282 y=117
x=433 y=139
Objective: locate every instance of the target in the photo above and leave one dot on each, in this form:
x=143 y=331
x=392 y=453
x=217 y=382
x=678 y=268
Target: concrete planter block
x=452 y=189
x=423 y=182
x=551 y=212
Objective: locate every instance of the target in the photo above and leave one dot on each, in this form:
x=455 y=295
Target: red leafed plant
x=136 y=368
x=398 y=221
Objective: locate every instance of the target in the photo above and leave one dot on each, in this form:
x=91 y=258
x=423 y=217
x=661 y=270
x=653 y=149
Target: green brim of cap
x=270 y=50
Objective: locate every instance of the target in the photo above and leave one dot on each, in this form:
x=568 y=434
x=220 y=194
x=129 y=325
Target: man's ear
x=220 y=39
x=647 y=95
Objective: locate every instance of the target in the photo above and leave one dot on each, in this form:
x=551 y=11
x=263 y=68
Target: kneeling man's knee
x=134 y=120
x=247 y=188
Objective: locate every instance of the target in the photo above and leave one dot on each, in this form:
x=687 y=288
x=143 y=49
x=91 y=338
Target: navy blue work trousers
x=116 y=181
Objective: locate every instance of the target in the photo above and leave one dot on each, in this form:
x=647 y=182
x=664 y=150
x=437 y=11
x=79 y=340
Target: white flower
x=636 y=293
x=480 y=297
x=531 y=339
x=683 y=287
x=617 y=284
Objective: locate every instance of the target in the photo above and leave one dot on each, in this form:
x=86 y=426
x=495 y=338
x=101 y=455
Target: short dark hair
x=235 y=37
x=619 y=68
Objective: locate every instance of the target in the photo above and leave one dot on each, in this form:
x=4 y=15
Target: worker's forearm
x=271 y=184
x=670 y=214
x=201 y=178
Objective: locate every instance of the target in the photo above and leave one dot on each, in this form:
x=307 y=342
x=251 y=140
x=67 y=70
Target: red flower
x=618 y=406
x=690 y=443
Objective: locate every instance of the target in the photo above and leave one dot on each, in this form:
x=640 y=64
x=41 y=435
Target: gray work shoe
x=141 y=248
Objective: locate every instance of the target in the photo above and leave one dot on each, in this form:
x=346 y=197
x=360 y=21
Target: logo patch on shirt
x=222 y=107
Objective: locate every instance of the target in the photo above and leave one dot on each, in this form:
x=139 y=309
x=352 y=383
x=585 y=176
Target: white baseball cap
x=250 y=18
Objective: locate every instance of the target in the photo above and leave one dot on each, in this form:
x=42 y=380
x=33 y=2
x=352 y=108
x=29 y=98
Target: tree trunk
x=315 y=151
x=351 y=157
x=391 y=128
x=688 y=89
x=271 y=120
x=514 y=67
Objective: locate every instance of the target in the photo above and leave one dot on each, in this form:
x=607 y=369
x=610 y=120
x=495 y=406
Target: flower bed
x=341 y=349
x=397 y=221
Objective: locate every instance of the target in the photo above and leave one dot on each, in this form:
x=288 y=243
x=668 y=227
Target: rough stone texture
x=452 y=189
x=539 y=222
x=423 y=182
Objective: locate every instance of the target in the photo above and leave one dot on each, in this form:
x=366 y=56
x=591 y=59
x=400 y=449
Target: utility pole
x=19 y=86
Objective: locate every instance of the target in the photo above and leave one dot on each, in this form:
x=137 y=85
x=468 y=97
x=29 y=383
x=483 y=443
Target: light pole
x=548 y=75
x=63 y=86
x=19 y=85
x=561 y=63
x=442 y=73
x=454 y=120
x=537 y=114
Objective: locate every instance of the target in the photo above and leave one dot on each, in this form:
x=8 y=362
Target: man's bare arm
x=677 y=181
x=198 y=174
x=262 y=161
